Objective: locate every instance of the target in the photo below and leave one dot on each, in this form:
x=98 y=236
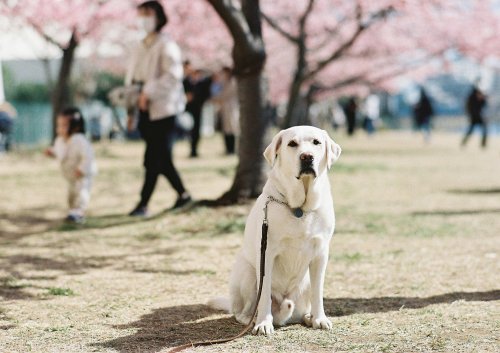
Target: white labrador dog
x=301 y=223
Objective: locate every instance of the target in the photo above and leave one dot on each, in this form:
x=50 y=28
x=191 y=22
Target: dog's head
x=302 y=151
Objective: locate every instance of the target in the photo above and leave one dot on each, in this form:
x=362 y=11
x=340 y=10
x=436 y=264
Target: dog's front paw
x=263 y=328
x=320 y=322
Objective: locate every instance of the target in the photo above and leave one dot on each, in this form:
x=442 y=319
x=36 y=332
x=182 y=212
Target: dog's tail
x=220 y=303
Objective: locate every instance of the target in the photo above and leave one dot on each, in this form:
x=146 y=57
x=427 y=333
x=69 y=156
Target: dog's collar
x=297 y=212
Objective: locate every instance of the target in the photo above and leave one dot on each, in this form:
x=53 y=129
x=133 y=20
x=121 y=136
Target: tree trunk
x=250 y=176
x=294 y=108
x=60 y=94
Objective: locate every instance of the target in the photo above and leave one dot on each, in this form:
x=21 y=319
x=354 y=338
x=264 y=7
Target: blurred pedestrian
x=371 y=113
x=422 y=113
x=156 y=66
x=350 y=111
x=229 y=108
x=7 y=115
x=197 y=88
x=72 y=149
x=476 y=102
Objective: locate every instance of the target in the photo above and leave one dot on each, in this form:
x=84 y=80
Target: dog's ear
x=272 y=150
x=333 y=150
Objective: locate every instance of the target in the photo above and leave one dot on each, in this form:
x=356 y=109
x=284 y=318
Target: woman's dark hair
x=161 y=16
x=76 y=121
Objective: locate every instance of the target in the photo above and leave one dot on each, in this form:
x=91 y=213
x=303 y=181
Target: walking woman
x=156 y=67
x=475 y=104
x=227 y=100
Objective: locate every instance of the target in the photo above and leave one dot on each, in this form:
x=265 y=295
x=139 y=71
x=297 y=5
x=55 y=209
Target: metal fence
x=33 y=125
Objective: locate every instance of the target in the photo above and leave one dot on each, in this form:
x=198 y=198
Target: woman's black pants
x=159 y=136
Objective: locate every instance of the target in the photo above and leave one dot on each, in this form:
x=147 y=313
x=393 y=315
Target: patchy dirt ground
x=414 y=262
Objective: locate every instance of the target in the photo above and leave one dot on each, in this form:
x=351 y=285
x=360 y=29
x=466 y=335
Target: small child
x=75 y=154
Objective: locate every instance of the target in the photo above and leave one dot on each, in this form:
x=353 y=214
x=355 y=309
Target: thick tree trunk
x=250 y=176
x=295 y=105
x=60 y=94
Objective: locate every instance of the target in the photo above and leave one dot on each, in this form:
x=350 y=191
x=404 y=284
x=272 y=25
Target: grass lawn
x=414 y=264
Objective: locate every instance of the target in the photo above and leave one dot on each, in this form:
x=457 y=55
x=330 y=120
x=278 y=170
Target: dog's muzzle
x=306 y=165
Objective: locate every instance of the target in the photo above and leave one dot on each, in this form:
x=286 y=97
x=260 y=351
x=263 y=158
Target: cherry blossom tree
x=66 y=24
x=327 y=45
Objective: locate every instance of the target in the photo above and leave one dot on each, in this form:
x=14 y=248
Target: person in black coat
x=197 y=88
x=476 y=102
x=350 y=111
x=423 y=112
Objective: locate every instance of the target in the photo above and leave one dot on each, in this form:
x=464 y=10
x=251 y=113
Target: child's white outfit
x=76 y=153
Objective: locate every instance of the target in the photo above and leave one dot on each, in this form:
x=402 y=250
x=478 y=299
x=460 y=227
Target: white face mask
x=147 y=24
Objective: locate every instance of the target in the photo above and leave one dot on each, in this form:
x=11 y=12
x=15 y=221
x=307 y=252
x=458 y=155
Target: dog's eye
x=316 y=142
x=292 y=144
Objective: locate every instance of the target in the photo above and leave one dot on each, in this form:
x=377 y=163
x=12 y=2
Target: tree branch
x=364 y=78
x=362 y=26
x=233 y=18
x=274 y=25
x=305 y=16
x=331 y=33
x=45 y=36
x=244 y=25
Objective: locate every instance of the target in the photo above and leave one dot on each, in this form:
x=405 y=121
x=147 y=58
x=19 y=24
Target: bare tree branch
x=305 y=16
x=364 y=78
x=362 y=26
x=331 y=34
x=244 y=25
x=45 y=35
x=274 y=25
x=233 y=18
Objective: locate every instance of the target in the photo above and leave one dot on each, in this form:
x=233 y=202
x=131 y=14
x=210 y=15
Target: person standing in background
x=156 y=66
x=476 y=102
x=422 y=112
x=7 y=115
x=371 y=112
x=197 y=89
x=229 y=108
x=350 y=111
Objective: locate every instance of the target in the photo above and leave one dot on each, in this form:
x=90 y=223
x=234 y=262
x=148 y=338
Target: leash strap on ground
x=263 y=247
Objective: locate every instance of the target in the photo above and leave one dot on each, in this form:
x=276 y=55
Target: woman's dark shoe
x=181 y=202
x=139 y=211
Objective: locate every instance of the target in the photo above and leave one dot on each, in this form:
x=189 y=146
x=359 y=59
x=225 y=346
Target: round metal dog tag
x=298 y=212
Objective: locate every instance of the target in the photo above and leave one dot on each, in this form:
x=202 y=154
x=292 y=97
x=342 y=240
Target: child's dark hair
x=161 y=16
x=76 y=121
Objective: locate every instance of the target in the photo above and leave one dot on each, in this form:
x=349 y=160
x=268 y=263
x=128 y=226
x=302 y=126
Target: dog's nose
x=306 y=158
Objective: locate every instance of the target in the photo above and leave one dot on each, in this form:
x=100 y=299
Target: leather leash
x=263 y=247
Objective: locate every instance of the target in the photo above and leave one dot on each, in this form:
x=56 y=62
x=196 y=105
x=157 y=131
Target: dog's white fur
x=297 y=250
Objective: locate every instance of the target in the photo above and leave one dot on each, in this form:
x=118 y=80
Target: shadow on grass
x=349 y=306
x=455 y=212
x=475 y=191
x=13 y=286
x=173 y=326
x=105 y=221
x=29 y=222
